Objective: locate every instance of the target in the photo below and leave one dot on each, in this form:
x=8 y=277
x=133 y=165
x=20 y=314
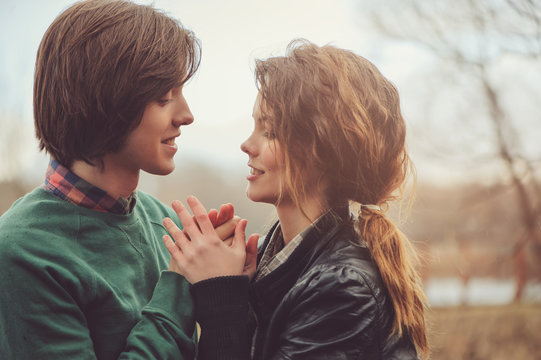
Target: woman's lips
x=254 y=173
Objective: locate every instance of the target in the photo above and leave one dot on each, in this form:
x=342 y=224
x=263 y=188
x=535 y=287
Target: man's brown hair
x=98 y=65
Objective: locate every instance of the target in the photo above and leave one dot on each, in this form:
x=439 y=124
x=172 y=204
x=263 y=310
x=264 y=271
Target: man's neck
x=116 y=182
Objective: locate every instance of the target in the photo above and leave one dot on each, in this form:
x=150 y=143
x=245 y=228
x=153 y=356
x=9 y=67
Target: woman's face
x=265 y=161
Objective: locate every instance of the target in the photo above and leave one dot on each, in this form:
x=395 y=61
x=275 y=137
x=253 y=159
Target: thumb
x=250 y=263
x=240 y=234
x=251 y=246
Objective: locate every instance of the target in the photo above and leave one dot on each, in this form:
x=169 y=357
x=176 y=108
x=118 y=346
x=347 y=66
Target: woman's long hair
x=335 y=114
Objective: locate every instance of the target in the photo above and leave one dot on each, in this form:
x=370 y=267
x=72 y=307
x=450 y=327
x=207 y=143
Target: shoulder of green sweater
x=35 y=224
x=37 y=201
x=37 y=214
x=36 y=242
x=42 y=225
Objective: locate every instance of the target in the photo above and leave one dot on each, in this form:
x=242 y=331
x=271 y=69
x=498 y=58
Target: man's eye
x=163 y=101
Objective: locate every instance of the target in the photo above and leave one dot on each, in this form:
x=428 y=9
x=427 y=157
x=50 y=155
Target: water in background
x=478 y=291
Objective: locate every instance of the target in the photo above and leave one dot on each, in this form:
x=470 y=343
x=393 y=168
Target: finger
x=190 y=225
x=240 y=234
x=174 y=230
x=227 y=229
x=251 y=250
x=227 y=211
x=251 y=246
x=170 y=245
x=213 y=216
x=229 y=241
x=181 y=241
x=250 y=262
x=174 y=250
x=195 y=222
x=200 y=214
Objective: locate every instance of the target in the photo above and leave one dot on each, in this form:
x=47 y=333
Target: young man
x=81 y=257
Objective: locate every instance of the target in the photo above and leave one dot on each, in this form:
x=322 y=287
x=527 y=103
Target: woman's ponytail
x=393 y=255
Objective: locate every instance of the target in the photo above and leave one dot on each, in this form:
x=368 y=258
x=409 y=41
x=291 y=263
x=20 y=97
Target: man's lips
x=171 y=140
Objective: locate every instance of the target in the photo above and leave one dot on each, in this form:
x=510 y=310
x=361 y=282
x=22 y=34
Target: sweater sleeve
x=43 y=315
x=222 y=311
x=166 y=328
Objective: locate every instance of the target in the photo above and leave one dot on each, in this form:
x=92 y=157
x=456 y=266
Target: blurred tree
x=13 y=147
x=487 y=56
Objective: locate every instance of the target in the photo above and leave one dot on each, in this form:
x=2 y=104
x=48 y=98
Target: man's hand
x=224 y=222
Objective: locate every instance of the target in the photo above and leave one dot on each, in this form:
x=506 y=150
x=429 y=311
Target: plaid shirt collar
x=61 y=182
x=275 y=254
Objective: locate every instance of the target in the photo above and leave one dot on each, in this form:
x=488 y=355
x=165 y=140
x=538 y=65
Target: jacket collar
x=270 y=290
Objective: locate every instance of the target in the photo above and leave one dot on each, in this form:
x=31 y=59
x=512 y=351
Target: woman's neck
x=293 y=220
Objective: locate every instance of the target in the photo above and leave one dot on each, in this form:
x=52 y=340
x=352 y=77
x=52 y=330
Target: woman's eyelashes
x=269 y=134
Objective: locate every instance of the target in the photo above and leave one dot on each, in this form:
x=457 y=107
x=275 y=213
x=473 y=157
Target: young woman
x=329 y=137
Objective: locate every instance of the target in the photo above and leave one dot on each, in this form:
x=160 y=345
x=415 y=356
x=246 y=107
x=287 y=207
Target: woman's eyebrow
x=260 y=119
x=263 y=119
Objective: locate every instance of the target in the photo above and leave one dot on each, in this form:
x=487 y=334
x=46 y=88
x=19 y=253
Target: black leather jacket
x=326 y=302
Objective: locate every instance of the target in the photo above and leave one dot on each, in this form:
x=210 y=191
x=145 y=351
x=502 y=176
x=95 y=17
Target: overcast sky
x=233 y=33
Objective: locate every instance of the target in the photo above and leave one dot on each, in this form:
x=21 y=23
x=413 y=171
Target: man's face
x=151 y=146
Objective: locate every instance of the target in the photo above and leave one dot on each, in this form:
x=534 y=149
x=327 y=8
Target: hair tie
x=367 y=215
x=370 y=207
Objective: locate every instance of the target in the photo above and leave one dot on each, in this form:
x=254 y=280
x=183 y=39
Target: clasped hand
x=199 y=252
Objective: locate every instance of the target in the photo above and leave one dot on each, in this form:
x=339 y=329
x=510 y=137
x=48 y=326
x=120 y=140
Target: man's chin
x=161 y=171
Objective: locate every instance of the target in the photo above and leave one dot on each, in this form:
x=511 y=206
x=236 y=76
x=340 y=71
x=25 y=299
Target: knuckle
x=189 y=259
x=176 y=233
x=200 y=217
x=199 y=250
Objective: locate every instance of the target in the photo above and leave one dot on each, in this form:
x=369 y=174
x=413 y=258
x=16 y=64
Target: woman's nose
x=247 y=146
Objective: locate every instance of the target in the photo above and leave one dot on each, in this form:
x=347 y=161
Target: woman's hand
x=224 y=222
x=198 y=252
x=250 y=263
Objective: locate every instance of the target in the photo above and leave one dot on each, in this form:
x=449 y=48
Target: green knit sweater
x=78 y=284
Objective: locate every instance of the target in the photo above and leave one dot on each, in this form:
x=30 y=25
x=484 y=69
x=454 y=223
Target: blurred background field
x=469 y=74
x=495 y=332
